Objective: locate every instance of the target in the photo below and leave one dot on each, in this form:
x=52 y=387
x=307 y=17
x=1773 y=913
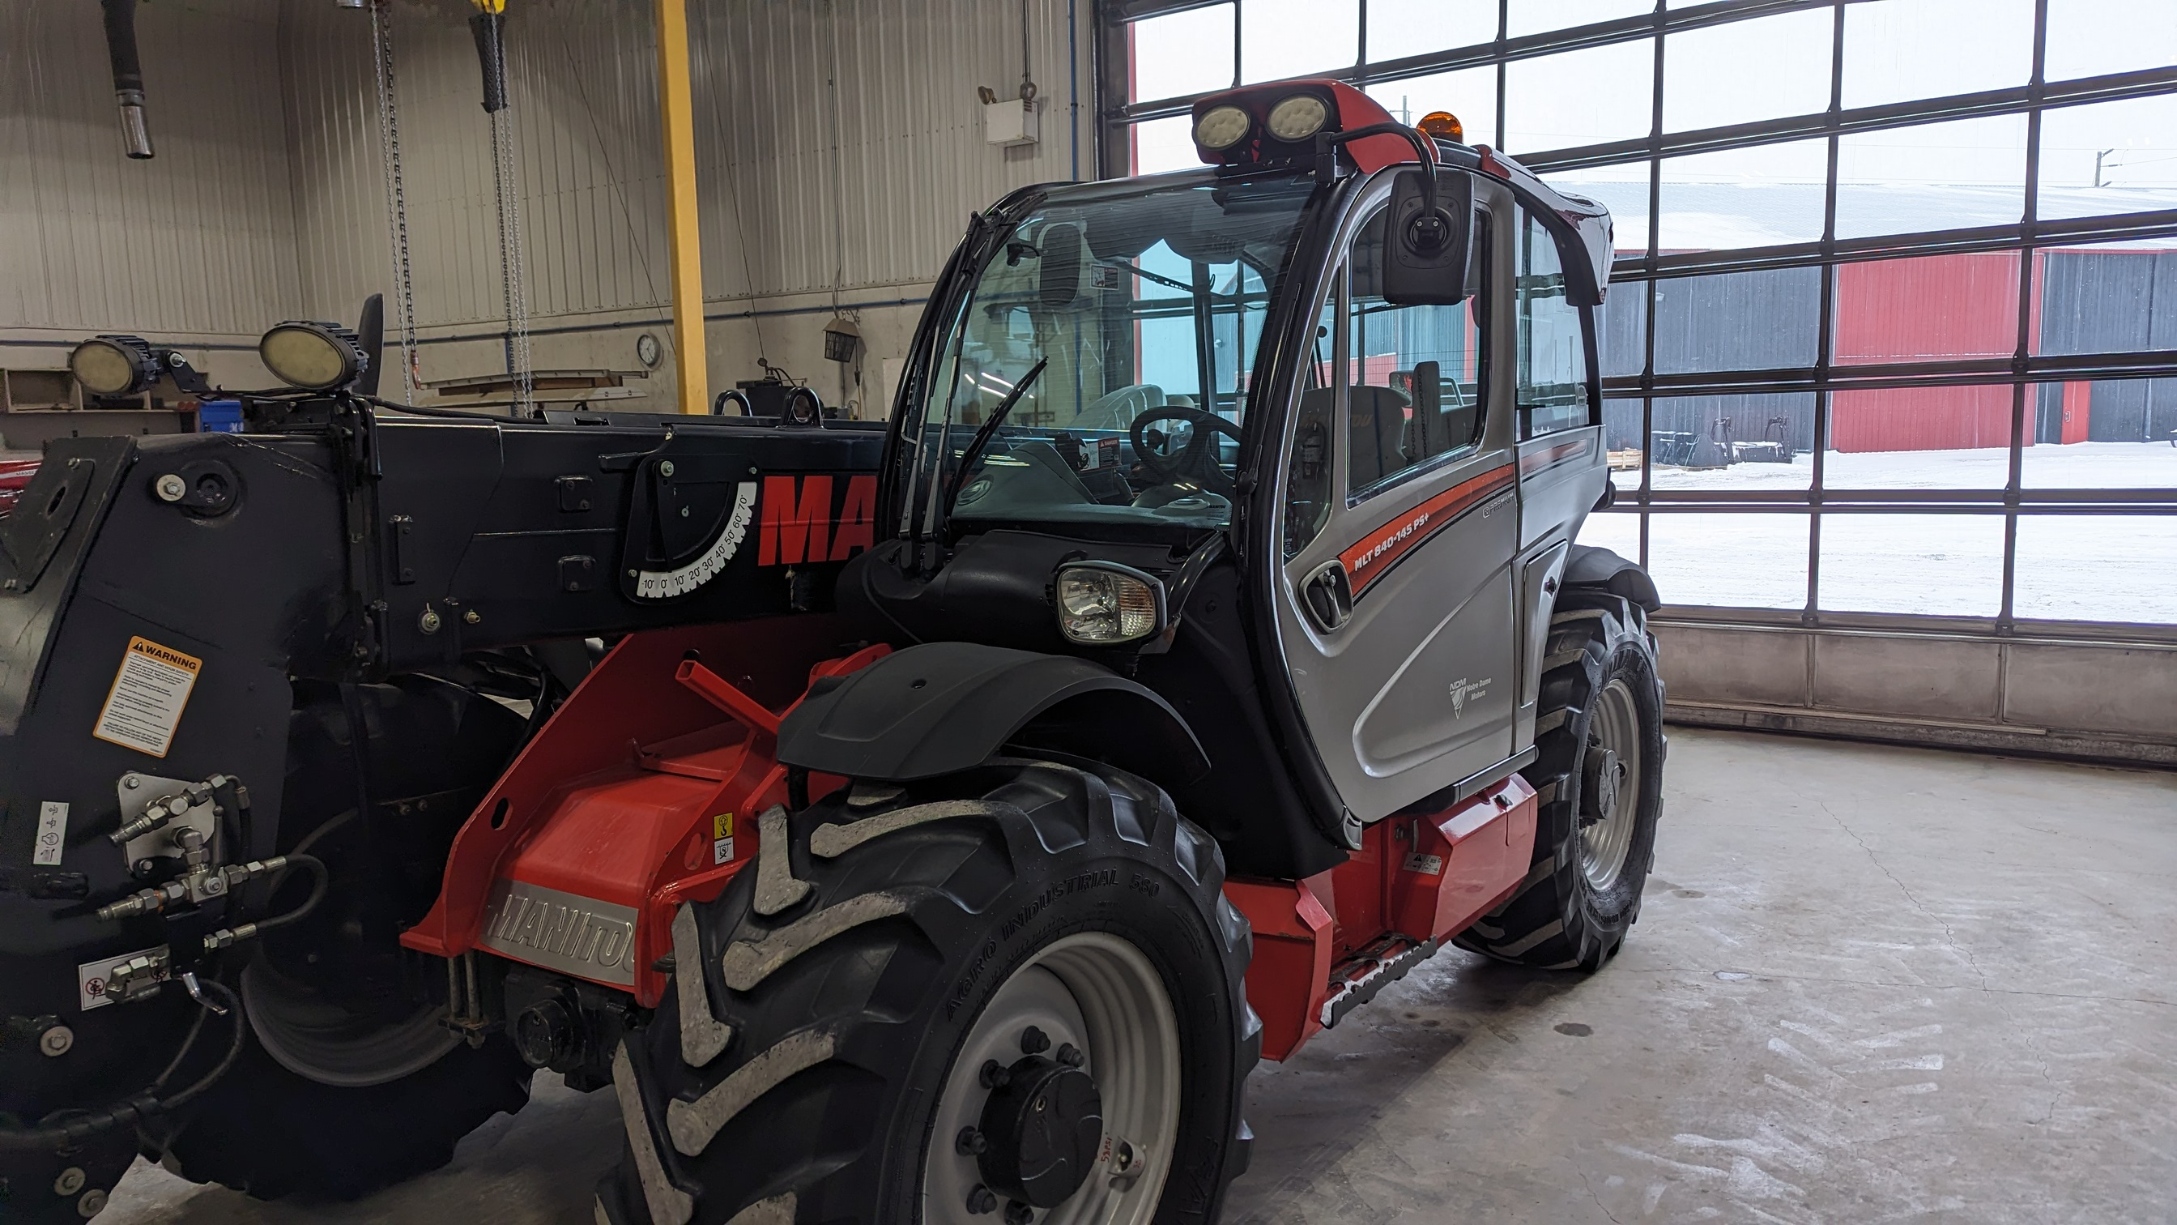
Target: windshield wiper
x=983 y=435
x=1147 y=275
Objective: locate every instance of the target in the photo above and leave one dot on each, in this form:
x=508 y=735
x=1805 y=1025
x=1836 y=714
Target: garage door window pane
x=1758 y=197
x=1617 y=531
x=1762 y=320
x=1622 y=438
x=2128 y=425
x=1621 y=329
x=1578 y=98
x=1934 y=565
x=1164 y=144
x=1897 y=50
x=1936 y=176
x=2097 y=568
x=1182 y=53
x=1926 y=309
x=2087 y=38
x=1292 y=38
x=1747 y=70
x=1536 y=16
x=1623 y=190
x=1920 y=438
x=1399 y=28
x=2113 y=157
x=1470 y=93
x=2112 y=297
x=1732 y=561
x=1733 y=442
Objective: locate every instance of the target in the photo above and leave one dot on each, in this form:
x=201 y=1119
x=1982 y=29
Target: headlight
x=313 y=356
x=1298 y=117
x=1101 y=603
x=1221 y=127
x=113 y=365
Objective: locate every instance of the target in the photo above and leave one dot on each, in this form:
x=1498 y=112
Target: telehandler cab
x=933 y=824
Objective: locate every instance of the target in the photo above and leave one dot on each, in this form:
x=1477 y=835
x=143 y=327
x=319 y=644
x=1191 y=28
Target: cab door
x=1395 y=601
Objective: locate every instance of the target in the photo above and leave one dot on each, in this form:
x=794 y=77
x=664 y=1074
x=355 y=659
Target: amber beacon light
x=1443 y=125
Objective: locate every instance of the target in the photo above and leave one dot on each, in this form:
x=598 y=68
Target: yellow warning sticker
x=722 y=839
x=149 y=693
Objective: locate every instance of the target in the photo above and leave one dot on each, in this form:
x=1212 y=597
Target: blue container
x=219 y=417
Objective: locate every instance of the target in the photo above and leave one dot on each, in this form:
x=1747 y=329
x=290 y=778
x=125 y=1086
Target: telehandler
x=925 y=822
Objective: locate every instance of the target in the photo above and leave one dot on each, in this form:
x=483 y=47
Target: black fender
x=942 y=707
x=1593 y=566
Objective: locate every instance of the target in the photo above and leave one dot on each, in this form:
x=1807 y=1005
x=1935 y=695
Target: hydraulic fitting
x=197 y=886
x=160 y=812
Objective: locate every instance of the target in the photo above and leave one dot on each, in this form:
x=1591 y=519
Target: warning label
x=93 y=978
x=148 y=696
x=722 y=838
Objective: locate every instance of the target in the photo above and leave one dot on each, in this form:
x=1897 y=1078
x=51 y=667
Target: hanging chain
x=513 y=288
x=389 y=156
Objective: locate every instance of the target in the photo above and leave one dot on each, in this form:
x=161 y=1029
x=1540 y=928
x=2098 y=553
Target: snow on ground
x=2070 y=567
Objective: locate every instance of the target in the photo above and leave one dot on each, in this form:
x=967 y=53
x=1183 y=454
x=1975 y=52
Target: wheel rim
x=1613 y=760
x=319 y=1039
x=1097 y=992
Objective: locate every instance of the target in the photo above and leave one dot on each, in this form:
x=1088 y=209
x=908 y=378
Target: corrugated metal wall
x=582 y=77
x=199 y=241
x=267 y=198
x=782 y=183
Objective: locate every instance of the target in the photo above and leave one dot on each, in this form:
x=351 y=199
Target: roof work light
x=1282 y=123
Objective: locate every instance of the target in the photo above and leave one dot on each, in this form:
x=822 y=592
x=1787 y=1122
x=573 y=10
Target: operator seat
x=1375 y=430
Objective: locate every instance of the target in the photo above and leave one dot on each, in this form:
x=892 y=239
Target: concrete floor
x=1870 y=984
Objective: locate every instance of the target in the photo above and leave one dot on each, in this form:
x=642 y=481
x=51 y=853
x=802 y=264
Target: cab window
x=1552 y=356
x=1308 y=490
x=1414 y=376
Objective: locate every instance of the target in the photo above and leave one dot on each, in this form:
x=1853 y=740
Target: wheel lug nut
x=1034 y=1041
x=982 y=1199
x=996 y=1075
x=971 y=1142
x=1017 y=1213
x=1071 y=1055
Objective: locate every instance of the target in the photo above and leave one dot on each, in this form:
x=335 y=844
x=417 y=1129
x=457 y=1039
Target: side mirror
x=1425 y=249
x=1058 y=277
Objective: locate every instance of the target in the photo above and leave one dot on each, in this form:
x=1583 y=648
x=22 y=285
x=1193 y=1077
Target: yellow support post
x=677 y=108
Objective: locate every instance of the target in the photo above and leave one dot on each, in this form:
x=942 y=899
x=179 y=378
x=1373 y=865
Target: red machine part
x=641 y=793
x=1329 y=943
x=1350 y=109
x=15 y=474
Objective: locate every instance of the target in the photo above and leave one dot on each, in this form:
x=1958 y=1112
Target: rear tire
x=1599 y=781
x=847 y=976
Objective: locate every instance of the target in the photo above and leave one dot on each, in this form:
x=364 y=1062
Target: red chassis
x=641 y=792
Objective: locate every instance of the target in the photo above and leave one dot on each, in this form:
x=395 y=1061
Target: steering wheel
x=1197 y=462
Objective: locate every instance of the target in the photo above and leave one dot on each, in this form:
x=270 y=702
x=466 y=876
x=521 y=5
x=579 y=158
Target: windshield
x=1115 y=329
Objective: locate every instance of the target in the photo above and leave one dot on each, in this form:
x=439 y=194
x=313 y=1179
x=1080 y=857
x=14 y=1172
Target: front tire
x=1599 y=781
x=891 y=943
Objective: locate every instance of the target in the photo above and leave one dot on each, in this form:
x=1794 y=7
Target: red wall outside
x=1929 y=308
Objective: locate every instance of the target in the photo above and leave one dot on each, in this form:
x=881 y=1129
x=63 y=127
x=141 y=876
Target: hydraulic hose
x=319 y=881
x=136 y=1109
